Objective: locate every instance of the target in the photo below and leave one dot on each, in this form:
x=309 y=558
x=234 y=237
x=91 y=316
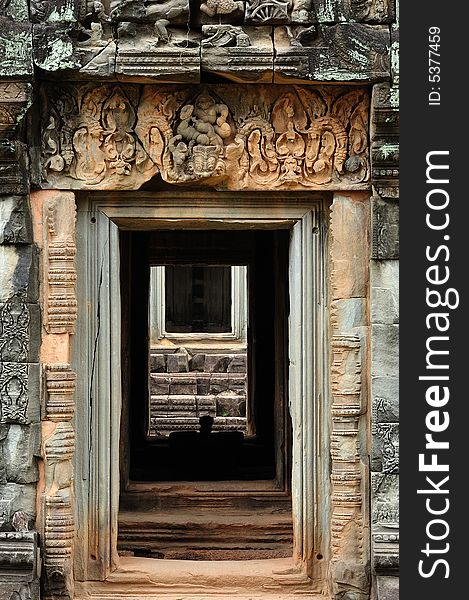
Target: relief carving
x=346 y=472
x=292 y=138
x=14 y=330
x=13 y=392
x=59 y=262
x=60 y=384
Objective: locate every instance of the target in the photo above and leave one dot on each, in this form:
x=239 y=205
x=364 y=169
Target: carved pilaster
x=347 y=529
x=59 y=264
x=58 y=450
x=60 y=382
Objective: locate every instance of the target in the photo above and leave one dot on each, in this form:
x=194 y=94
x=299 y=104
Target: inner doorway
x=202 y=484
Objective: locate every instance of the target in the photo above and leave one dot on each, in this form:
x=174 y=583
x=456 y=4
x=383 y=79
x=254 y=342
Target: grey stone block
x=385 y=447
x=387 y=587
x=183 y=385
x=20 y=449
x=335 y=11
x=384 y=350
x=177 y=363
x=384 y=501
x=197 y=363
x=18 y=590
x=19 y=393
x=16 y=55
x=231 y=407
x=18 y=273
x=157 y=363
x=385 y=212
x=15 y=220
x=385 y=395
x=159 y=384
x=216 y=363
x=16 y=497
x=203 y=386
x=238 y=364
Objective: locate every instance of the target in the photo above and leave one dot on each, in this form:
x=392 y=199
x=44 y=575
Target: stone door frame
x=328 y=265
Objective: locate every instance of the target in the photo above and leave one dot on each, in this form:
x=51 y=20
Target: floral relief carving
x=111 y=137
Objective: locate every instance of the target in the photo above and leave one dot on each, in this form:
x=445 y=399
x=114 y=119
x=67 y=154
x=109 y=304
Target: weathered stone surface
x=19 y=591
x=349 y=253
x=17 y=10
x=385 y=291
x=16 y=497
x=243 y=54
x=385 y=350
x=20 y=449
x=139 y=11
x=59 y=272
x=372 y=11
x=231 y=407
x=54 y=48
x=157 y=363
x=19 y=393
x=13 y=166
x=385 y=140
x=57 y=11
x=231 y=138
x=197 y=362
x=348 y=314
x=385 y=503
x=157 y=53
x=238 y=364
x=218 y=11
x=385 y=394
x=177 y=363
x=345 y=52
x=15 y=99
x=216 y=363
x=18 y=273
x=15 y=220
x=20 y=331
x=385 y=228
x=387 y=587
x=97 y=60
x=385 y=448
x=18 y=563
x=264 y=12
x=15 y=49
x=159 y=384
x=183 y=385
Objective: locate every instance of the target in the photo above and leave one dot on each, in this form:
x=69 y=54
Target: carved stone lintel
x=238 y=53
x=60 y=383
x=345 y=52
x=59 y=264
x=283 y=138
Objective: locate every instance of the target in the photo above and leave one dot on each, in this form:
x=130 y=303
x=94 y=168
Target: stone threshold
x=272 y=579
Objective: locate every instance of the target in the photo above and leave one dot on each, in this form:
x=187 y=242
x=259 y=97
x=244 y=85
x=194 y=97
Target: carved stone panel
x=111 y=137
x=385 y=228
x=243 y=54
x=59 y=264
x=157 y=52
x=263 y=12
x=373 y=11
x=15 y=48
x=345 y=52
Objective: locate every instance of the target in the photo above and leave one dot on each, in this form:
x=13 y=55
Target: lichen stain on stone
x=59 y=55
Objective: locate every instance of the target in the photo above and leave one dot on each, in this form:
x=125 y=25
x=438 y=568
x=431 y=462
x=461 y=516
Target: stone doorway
x=221 y=493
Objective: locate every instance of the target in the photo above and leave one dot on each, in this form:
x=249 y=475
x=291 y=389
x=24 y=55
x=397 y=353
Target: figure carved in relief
x=202 y=128
x=221 y=7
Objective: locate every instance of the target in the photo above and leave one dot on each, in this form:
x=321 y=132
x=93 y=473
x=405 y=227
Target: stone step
x=206 y=535
x=151 y=579
x=165 y=425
